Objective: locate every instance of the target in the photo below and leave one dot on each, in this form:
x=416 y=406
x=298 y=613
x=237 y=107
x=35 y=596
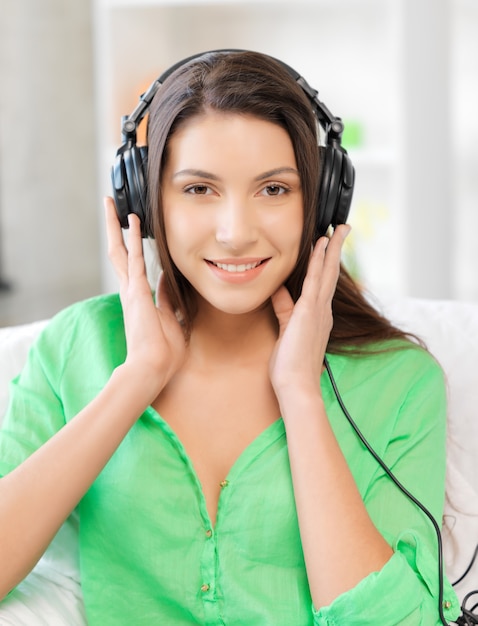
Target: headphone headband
x=129 y=173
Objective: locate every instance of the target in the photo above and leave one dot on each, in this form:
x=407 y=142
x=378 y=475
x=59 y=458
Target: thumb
x=283 y=306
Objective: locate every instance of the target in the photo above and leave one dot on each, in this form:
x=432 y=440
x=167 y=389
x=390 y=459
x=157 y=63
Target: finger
x=283 y=306
x=312 y=280
x=113 y=227
x=117 y=252
x=324 y=265
x=136 y=264
x=331 y=265
x=338 y=238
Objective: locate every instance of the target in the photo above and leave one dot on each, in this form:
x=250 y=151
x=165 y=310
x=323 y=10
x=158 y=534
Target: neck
x=228 y=339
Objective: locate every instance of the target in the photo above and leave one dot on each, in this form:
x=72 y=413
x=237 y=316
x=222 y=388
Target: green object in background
x=353 y=134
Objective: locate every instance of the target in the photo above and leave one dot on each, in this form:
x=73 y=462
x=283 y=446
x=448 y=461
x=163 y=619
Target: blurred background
x=403 y=75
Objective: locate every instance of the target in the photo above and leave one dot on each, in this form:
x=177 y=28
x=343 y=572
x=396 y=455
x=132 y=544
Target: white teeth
x=229 y=267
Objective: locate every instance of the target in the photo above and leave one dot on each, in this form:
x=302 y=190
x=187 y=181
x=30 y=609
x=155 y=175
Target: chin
x=238 y=306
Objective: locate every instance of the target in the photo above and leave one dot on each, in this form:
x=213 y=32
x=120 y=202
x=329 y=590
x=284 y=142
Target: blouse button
x=208 y=532
x=204 y=588
x=224 y=483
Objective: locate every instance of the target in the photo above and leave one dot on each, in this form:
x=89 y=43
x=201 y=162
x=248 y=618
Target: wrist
x=142 y=383
x=300 y=388
x=297 y=401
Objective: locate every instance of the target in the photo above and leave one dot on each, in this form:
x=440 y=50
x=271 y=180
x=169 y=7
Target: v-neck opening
x=249 y=453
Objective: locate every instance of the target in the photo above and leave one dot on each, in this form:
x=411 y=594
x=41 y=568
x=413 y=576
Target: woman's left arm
x=340 y=542
x=357 y=575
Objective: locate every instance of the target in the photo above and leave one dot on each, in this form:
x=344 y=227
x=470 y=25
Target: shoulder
x=96 y=309
x=88 y=313
x=83 y=326
x=411 y=360
x=393 y=372
x=394 y=394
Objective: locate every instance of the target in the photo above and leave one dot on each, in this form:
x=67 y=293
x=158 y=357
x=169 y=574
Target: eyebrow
x=194 y=172
x=276 y=171
x=210 y=176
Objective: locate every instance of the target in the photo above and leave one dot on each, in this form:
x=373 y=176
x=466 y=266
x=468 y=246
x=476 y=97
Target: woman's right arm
x=47 y=486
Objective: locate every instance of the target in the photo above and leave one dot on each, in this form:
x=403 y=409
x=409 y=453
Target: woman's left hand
x=304 y=328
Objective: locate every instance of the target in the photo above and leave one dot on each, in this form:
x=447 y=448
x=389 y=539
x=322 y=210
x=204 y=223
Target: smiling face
x=233 y=209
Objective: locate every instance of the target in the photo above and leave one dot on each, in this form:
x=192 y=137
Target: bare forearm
x=341 y=544
x=37 y=497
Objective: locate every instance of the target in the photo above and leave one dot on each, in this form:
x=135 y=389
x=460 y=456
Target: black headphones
x=129 y=172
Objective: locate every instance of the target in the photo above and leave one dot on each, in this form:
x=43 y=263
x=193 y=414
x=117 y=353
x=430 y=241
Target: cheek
x=292 y=241
x=186 y=236
x=287 y=233
x=186 y=225
x=172 y=229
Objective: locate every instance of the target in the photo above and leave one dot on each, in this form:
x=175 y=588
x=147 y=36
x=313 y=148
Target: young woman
x=217 y=478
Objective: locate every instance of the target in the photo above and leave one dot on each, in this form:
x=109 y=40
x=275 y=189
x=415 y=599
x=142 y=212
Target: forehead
x=225 y=137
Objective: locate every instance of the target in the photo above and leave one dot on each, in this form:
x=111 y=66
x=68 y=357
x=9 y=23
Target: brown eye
x=198 y=190
x=275 y=190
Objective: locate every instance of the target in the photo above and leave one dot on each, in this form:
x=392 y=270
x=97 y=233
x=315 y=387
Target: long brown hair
x=255 y=84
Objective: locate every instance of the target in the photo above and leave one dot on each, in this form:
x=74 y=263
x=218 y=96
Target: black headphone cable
x=467 y=571
x=468 y=617
x=402 y=488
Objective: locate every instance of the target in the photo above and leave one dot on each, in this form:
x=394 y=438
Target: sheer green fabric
x=149 y=554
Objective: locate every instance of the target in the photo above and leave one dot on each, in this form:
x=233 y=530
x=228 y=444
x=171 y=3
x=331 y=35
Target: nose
x=236 y=226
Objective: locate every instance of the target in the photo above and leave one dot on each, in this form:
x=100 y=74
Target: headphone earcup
x=336 y=189
x=129 y=178
x=344 y=197
x=328 y=189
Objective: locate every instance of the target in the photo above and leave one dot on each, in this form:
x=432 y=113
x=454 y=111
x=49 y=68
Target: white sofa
x=51 y=595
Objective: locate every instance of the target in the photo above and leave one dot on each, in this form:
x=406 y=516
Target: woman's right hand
x=155 y=340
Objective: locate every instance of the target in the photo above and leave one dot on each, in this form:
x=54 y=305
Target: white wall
x=49 y=245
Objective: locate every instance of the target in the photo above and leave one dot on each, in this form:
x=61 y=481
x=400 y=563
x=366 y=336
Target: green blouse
x=148 y=552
